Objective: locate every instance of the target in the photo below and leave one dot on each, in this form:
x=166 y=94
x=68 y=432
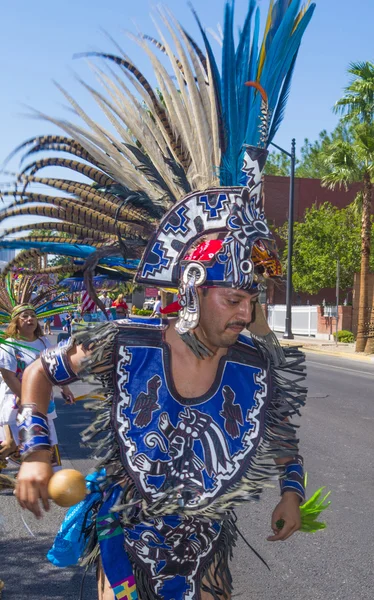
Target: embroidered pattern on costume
x=146 y=403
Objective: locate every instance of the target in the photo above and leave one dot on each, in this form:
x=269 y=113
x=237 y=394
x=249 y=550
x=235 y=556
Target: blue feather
x=74 y=250
x=250 y=124
x=288 y=56
x=279 y=10
x=229 y=98
x=281 y=104
x=42 y=307
x=242 y=52
x=279 y=61
x=243 y=63
x=277 y=52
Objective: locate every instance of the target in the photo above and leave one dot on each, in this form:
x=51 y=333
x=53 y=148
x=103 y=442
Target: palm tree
x=353 y=160
x=358 y=101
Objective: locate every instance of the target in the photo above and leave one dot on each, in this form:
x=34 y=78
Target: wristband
x=56 y=364
x=33 y=430
x=293 y=478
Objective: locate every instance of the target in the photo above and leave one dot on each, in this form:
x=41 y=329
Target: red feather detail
x=258 y=87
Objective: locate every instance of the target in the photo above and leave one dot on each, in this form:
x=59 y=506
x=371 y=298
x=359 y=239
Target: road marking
x=314 y=362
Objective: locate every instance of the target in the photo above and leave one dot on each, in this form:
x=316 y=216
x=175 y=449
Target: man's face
x=224 y=313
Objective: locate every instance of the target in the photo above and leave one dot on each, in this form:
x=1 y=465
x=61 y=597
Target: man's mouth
x=236 y=328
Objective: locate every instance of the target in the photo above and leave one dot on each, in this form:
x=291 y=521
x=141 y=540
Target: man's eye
x=233 y=302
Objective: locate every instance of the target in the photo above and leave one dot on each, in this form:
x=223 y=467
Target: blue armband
x=292 y=479
x=56 y=364
x=33 y=430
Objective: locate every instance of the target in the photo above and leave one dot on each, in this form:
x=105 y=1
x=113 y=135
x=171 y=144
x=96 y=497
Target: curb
x=365 y=358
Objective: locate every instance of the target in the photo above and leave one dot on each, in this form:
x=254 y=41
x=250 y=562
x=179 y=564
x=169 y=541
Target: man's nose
x=245 y=311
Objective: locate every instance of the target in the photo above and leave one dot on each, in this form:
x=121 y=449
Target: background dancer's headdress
x=19 y=292
x=185 y=163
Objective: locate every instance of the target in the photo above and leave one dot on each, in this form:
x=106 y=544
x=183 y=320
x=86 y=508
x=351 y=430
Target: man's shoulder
x=245 y=350
x=141 y=331
x=142 y=323
x=246 y=340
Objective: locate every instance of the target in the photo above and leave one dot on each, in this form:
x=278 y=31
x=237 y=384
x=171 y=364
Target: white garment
x=16 y=359
x=157 y=307
x=106 y=301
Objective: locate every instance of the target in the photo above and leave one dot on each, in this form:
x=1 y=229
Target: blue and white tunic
x=199 y=455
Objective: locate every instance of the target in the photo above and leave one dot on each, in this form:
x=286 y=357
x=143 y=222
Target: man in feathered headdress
x=195 y=415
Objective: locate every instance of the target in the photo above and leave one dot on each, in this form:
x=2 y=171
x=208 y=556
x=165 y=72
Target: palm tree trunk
x=369 y=348
x=363 y=308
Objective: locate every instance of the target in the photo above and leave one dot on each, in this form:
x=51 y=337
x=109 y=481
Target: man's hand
x=8 y=445
x=67 y=395
x=288 y=511
x=7 y=448
x=32 y=482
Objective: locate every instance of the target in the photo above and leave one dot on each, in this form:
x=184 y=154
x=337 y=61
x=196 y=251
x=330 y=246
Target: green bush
x=345 y=336
x=141 y=312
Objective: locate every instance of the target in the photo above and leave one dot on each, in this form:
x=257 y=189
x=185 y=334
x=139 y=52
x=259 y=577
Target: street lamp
x=288 y=324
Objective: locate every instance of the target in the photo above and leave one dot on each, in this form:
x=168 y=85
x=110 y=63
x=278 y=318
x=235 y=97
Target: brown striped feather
x=75 y=212
x=23 y=256
x=98 y=176
x=71 y=229
x=159 y=110
x=63 y=240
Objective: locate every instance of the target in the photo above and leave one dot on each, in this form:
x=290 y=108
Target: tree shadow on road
x=71 y=421
x=27 y=573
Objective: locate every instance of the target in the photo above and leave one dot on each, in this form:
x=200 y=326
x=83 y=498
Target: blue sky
x=38 y=40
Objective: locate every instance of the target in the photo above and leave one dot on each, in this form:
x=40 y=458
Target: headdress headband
x=20 y=309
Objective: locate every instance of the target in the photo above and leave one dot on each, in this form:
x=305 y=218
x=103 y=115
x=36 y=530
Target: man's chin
x=230 y=337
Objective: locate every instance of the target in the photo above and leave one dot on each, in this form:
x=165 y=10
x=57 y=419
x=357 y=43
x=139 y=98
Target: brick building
x=307 y=193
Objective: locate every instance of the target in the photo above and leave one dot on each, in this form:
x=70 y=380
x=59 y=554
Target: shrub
x=345 y=336
x=141 y=312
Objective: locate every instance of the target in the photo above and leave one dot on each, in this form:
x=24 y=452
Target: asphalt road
x=335 y=564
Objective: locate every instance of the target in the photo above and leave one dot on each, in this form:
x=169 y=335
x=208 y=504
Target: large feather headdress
x=20 y=292
x=183 y=135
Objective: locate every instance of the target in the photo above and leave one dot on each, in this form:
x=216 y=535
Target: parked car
x=149 y=304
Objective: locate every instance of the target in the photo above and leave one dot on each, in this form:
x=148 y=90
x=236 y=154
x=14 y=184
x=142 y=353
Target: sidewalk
x=310 y=344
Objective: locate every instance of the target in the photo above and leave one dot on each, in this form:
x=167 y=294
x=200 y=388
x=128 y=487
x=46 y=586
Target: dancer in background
x=24 y=341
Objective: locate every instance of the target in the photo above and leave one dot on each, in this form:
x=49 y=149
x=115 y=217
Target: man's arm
x=287 y=511
x=36 y=470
